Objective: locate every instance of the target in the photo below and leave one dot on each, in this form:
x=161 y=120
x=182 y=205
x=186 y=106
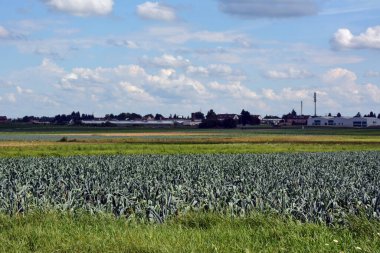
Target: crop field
x=165 y=190
x=322 y=187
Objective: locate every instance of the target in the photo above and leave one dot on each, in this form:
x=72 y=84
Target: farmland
x=215 y=191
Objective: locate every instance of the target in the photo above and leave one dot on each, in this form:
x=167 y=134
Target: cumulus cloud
x=136 y=92
x=4 y=33
x=288 y=93
x=344 y=83
x=339 y=75
x=82 y=7
x=234 y=89
x=345 y=39
x=269 y=8
x=156 y=11
x=167 y=61
x=290 y=73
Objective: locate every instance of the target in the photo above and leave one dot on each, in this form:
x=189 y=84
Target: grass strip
x=197 y=232
x=69 y=149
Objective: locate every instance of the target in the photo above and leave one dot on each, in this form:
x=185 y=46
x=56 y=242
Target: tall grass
x=57 y=232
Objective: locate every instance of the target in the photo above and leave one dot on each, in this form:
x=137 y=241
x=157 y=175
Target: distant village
x=200 y=120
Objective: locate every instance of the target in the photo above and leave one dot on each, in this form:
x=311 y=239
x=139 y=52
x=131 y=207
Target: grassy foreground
x=54 y=232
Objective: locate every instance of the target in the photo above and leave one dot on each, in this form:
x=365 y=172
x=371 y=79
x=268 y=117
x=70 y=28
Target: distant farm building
x=297 y=120
x=344 y=121
x=271 y=120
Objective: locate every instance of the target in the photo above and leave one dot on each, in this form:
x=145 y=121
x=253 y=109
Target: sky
x=178 y=57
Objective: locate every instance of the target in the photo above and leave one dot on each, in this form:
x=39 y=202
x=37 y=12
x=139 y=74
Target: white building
x=343 y=121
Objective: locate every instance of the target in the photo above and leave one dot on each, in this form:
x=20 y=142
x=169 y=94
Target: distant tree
x=329 y=115
x=294 y=113
x=148 y=116
x=229 y=123
x=211 y=115
x=109 y=116
x=372 y=115
x=197 y=116
x=158 y=117
x=122 y=116
x=378 y=116
x=358 y=115
x=339 y=115
x=245 y=117
x=134 y=116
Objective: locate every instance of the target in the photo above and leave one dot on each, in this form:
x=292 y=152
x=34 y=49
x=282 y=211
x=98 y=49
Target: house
x=225 y=116
x=344 y=121
x=271 y=120
x=3 y=119
x=297 y=120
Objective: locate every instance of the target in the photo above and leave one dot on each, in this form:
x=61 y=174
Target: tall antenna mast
x=301 y=108
x=315 y=104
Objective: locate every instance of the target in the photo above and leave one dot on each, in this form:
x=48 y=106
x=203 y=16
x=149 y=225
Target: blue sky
x=112 y=56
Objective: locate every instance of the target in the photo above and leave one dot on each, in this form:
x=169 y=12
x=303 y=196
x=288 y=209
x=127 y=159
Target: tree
x=211 y=115
x=329 y=115
x=158 y=117
x=294 y=113
x=134 y=116
x=122 y=116
x=245 y=117
x=229 y=123
x=197 y=116
x=358 y=115
x=339 y=115
x=378 y=116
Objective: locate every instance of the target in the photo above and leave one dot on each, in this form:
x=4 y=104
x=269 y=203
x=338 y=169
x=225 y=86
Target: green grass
x=56 y=232
x=69 y=149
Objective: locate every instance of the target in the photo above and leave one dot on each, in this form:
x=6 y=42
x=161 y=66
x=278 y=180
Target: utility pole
x=315 y=104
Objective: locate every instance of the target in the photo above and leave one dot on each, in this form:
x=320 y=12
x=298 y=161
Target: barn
x=344 y=121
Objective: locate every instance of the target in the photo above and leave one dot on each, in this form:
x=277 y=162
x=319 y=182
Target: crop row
x=324 y=187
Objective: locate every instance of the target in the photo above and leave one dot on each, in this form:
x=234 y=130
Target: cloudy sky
x=179 y=56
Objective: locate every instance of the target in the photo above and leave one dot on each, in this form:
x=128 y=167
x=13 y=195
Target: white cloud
x=287 y=94
x=234 y=89
x=373 y=91
x=180 y=35
x=289 y=73
x=339 y=75
x=156 y=11
x=372 y=73
x=168 y=61
x=4 y=33
x=220 y=69
x=197 y=70
x=21 y=90
x=82 y=7
x=344 y=39
x=343 y=83
x=136 y=92
x=269 y=8
x=10 y=97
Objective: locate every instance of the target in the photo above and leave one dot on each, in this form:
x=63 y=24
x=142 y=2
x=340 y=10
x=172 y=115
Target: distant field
x=189 y=141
